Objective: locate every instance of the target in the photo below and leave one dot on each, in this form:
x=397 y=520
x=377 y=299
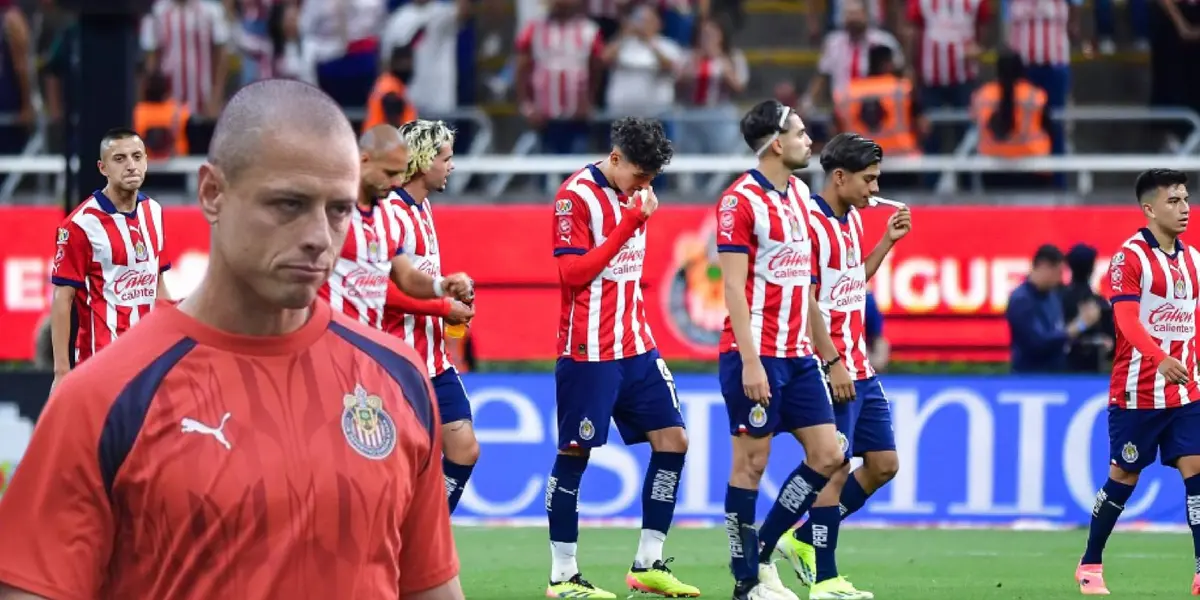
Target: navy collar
x=828 y=210
x=107 y=205
x=763 y=182
x=1150 y=239
x=601 y=180
x=406 y=197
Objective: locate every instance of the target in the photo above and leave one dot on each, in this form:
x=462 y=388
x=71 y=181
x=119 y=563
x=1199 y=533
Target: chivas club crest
x=139 y=251
x=794 y=223
x=368 y=429
x=843 y=443
x=758 y=416
x=1129 y=453
x=1180 y=288
x=587 y=430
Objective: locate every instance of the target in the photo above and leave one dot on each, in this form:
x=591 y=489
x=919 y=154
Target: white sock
x=649 y=548
x=562 y=565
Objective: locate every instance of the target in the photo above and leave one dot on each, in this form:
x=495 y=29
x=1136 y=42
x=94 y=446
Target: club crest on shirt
x=587 y=430
x=1129 y=453
x=1118 y=259
x=139 y=251
x=1180 y=288
x=794 y=224
x=367 y=427
x=758 y=416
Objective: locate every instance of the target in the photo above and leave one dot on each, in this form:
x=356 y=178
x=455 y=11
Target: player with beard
x=422 y=323
x=770 y=376
x=851 y=164
x=108 y=266
x=372 y=255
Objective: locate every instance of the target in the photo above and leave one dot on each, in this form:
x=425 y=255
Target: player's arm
x=898 y=226
x=735 y=233
x=578 y=263
x=1124 y=292
x=432 y=307
x=73 y=252
x=421 y=285
x=451 y=590
x=8 y=593
x=840 y=382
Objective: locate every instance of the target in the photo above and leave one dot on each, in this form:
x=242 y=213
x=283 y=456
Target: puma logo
x=194 y=426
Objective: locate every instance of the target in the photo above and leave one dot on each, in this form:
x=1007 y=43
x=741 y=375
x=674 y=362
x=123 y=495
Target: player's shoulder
x=379 y=345
x=149 y=202
x=1132 y=248
x=744 y=189
x=88 y=208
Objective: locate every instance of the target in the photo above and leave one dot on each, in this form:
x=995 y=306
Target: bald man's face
x=382 y=171
x=280 y=224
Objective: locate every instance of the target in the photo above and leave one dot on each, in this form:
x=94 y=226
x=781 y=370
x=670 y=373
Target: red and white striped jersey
x=186 y=35
x=112 y=259
x=1165 y=286
x=606 y=320
x=842 y=282
x=1037 y=30
x=562 y=53
x=947 y=27
x=418 y=240
x=705 y=84
x=614 y=9
x=844 y=59
x=772 y=227
x=359 y=283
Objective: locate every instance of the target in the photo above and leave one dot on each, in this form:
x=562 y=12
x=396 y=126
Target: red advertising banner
x=943 y=289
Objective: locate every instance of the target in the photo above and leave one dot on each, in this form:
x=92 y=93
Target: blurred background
x=1014 y=128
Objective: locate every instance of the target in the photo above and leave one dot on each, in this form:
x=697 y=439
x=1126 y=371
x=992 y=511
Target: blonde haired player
x=422 y=323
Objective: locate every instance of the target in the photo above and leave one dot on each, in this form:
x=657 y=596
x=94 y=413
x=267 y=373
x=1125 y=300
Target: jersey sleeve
x=735 y=224
x=55 y=518
x=432 y=560
x=572 y=225
x=72 y=253
x=1124 y=277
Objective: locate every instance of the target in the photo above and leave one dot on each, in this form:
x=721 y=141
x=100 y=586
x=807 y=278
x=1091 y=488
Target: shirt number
x=670 y=379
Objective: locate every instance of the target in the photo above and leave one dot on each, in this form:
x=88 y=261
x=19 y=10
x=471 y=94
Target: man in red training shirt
x=248 y=443
x=1153 y=408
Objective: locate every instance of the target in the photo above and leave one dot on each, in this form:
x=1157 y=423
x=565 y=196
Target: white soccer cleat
x=770 y=586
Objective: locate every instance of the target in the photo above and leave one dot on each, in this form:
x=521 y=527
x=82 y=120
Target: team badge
x=1129 y=453
x=843 y=443
x=139 y=251
x=1180 y=288
x=729 y=202
x=562 y=206
x=564 y=225
x=367 y=427
x=1118 y=259
x=794 y=223
x=727 y=220
x=63 y=235
x=758 y=416
x=587 y=431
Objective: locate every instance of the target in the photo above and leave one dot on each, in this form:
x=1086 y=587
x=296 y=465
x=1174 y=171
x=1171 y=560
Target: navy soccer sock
x=1110 y=501
x=456 y=480
x=853 y=497
x=1192 y=486
x=658 y=505
x=795 y=497
x=743 y=538
x=562 y=512
x=825 y=520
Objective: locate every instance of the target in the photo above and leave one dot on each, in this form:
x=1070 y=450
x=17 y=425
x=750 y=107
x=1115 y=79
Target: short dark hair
x=761 y=122
x=1047 y=254
x=114 y=134
x=879 y=60
x=1153 y=179
x=851 y=152
x=643 y=142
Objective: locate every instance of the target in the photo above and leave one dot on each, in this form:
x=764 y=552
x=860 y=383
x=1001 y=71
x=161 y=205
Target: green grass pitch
x=898 y=564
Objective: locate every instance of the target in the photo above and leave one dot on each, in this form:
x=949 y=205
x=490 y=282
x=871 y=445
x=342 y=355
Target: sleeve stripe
x=569 y=250
x=1124 y=298
x=63 y=281
x=733 y=248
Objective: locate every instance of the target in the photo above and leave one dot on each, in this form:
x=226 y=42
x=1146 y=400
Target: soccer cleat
x=1196 y=585
x=659 y=580
x=802 y=556
x=1091 y=580
x=750 y=590
x=772 y=587
x=837 y=588
x=576 y=587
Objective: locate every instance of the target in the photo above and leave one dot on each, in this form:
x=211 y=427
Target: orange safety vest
x=155 y=118
x=1028 y=137
x=894 y=94
x=384 y=85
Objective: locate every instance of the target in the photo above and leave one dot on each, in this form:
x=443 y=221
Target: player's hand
x=647 y=200
x=899 y=224
x=460 y=313
x=754 y=382
x=459 y=286
x=1174 y=371
x=840 y=383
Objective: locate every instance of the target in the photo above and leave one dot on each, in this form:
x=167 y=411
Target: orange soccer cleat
x=1091 y=580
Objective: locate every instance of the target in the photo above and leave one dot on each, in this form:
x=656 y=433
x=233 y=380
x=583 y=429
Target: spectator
x=558 y=67
x=821 y=22
x=1091 y=351
x=250 y=29
x=290 y=57
x=389 y=100
x=1174 y=57
x=1011 y=118
x=1035 y=317
x=430 y=29
x=1106 y=24
x=343 y=39
x=53 y=27
x=186 y=40
x=713 y=73
x=879 y=351
x=644 y=66
x=844 y=53
x=16 y=80
x=160 y=119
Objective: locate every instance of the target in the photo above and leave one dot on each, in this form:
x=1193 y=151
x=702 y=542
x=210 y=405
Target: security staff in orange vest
x=388 y=102
x=882 y=106
x=160 y=119
x=1011 y=117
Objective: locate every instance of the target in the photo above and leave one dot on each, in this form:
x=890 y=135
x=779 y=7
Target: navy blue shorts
x=452 y=400
x=865 y=424
x=1136 y=436
x=637 y=392
x=799 y=396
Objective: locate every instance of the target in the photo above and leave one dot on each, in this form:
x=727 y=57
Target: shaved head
x=384 y=155
x=269 y=109
x=380 y=139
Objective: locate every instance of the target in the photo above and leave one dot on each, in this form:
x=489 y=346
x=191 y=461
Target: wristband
x=833 y=361
x=437 y=286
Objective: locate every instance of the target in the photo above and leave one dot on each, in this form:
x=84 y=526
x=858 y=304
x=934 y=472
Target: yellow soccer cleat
x=837 y=588
x=659 y=580
x=802 y=556
x=576 y=587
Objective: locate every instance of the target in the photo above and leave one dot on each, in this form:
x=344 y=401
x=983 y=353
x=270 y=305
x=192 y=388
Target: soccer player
x=608 y=367
x=421 y=323
x=372 y=255
x=107 y=265
x=770 y=378
x=851 y=164
x=249 y=442
x=1153 y=391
